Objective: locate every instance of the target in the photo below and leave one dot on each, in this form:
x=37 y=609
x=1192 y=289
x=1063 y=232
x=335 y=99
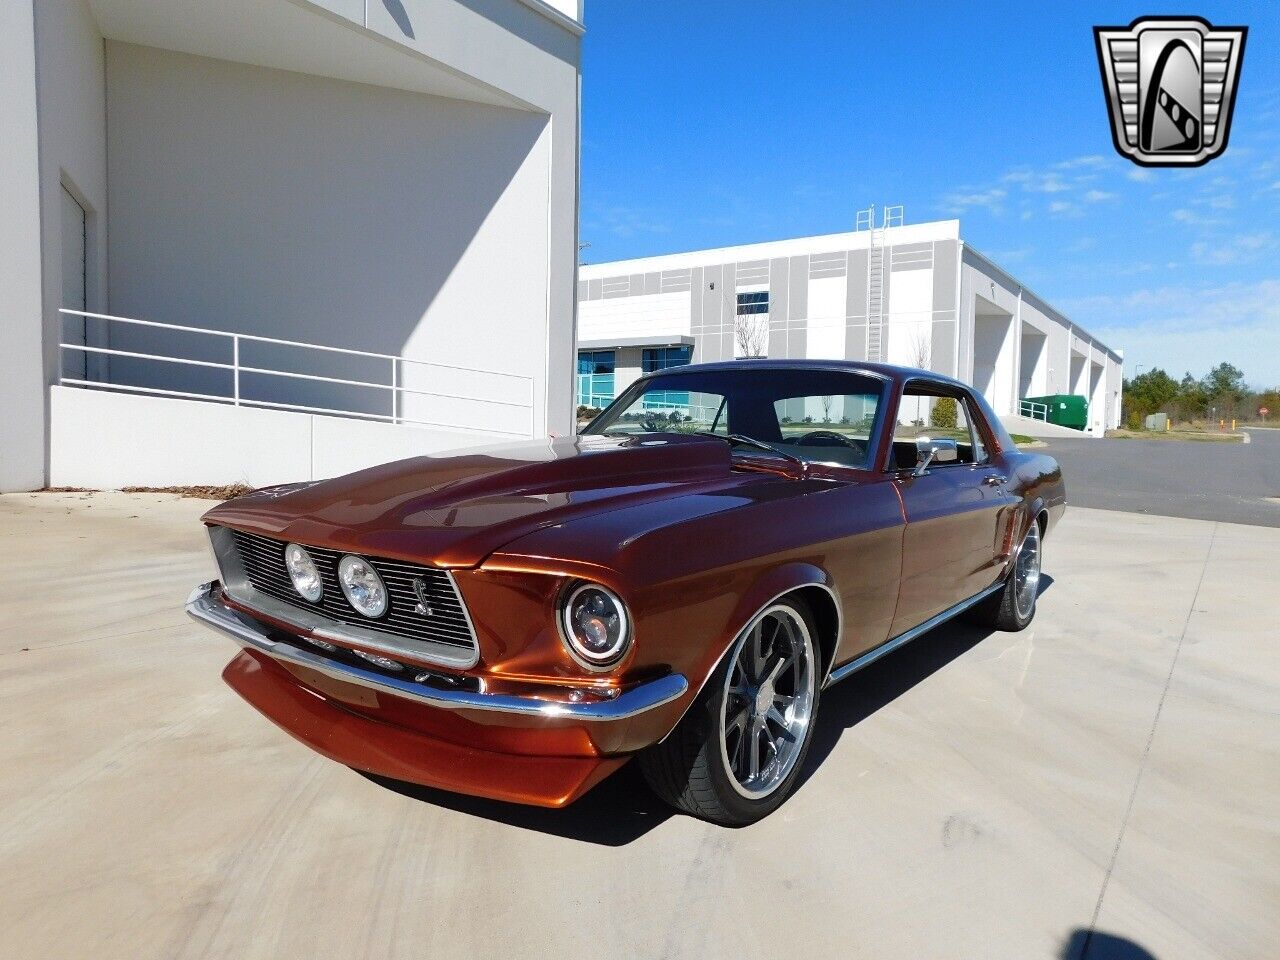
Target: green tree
x=1149 y=393
x=1224 y=384
x=1269 y=399
x=944 y=413
x=1193 y=401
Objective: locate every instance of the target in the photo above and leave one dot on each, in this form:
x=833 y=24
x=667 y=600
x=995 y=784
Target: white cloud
x=1092 y=161
x=1064 y=186
x=1194 y=218
x=1239 y=249
x=1037 y=182
x=1011 y=256
x=989 y=199
x=1185 y=328
x=1220 y=308
x=626 y=221
x=1140 y=175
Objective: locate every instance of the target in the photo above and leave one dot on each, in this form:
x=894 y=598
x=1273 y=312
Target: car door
x=955 y=512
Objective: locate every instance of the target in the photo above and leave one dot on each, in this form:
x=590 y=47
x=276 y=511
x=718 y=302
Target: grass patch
x=1203 y=436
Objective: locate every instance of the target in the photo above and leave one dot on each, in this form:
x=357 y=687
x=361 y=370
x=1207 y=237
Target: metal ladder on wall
x=875 y=298
x=891 y=217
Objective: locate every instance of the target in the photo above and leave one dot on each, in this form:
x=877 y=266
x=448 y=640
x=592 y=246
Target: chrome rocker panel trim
x=875 y=653
x=206 y=607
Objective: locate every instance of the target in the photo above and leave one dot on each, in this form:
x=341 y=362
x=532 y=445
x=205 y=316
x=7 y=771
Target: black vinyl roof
x=886 y=370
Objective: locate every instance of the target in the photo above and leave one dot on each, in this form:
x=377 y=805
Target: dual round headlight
x=360 y=583
x=362 y=586
x=595 y=626
x=303 y=573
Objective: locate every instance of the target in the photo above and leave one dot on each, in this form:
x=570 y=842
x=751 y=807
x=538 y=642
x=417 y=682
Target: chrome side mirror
x=930 y=451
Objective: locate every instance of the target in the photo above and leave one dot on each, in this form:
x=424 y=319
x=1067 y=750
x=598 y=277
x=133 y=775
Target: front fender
x=766 y=587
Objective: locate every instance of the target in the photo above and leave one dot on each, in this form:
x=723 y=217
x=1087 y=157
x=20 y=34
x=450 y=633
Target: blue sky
x=715 y=123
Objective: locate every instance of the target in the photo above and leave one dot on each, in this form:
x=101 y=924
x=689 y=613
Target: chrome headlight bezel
x=583 y=655
x=311 y=589
x=359 y=602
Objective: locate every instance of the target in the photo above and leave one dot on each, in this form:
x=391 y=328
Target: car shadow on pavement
x=622 y=808
x=851 y=701
x=612 y=814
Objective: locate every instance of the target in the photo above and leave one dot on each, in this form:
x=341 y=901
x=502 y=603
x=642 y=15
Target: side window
x=927 y=413
x=975 y=433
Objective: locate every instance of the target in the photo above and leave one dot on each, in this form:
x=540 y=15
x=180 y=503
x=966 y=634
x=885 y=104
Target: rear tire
x=1014 y=606
x=736 y=755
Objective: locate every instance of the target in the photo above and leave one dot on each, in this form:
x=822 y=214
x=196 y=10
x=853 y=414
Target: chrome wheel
x=768 y=702
x=1026 y=572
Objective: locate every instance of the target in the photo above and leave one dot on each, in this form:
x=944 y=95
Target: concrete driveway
x=1104 y=781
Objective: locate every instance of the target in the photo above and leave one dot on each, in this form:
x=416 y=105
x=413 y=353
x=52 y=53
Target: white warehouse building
x=226 y=221
x=914 y=295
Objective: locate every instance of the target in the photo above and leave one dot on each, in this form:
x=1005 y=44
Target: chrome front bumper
x=206 y=606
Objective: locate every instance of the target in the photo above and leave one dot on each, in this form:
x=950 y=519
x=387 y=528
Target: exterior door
x=74 y=285
x=955 y=513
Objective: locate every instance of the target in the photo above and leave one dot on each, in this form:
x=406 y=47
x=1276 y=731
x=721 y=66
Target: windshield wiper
x=742 y=438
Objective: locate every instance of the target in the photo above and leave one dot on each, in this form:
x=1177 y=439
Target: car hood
x=456 y=510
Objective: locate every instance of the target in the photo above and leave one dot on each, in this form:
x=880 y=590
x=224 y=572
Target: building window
x=595 y=378
x=660 y=358
x=755 y=302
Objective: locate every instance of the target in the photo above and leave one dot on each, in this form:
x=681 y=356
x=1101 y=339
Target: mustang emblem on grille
x=422 y=607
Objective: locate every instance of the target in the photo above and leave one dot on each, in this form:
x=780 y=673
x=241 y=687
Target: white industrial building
x=915 y=295
x=275 y=210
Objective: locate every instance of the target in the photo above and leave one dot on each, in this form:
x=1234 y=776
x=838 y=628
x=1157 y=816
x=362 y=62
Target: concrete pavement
x=1102 y=781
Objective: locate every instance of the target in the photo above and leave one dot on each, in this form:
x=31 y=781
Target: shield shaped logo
x=1170 y=84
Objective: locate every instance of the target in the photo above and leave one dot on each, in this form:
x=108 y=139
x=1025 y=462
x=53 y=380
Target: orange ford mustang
x=677 y=584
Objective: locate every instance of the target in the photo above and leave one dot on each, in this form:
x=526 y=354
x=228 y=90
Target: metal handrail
x=1036 y=411
x=236 y=398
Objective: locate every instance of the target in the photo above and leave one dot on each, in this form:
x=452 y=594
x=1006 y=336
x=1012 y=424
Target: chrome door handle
x=993 y=480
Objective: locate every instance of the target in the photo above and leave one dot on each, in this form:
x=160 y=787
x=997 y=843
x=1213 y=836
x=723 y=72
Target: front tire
x=736 y=755
x=1014 y=607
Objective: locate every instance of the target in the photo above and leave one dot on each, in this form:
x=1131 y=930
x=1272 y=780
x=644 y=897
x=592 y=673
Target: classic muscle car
x=678 y=584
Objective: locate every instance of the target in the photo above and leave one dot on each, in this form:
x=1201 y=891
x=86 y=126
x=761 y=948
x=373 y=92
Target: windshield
x=820 y=416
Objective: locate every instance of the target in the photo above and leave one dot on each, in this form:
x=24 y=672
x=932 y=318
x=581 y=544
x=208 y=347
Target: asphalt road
x=1229 y=482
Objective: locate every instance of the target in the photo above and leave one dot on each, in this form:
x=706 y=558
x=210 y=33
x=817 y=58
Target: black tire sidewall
x=743 y=810
x=1009 y=616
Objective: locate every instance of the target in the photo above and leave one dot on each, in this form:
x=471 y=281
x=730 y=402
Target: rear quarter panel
x=1035 y=477
x=1038 y=479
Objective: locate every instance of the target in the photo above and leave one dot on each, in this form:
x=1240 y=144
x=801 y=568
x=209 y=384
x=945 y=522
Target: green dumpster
x=1064 y=409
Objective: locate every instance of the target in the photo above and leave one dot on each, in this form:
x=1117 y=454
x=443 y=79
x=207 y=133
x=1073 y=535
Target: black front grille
x=263 y=562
